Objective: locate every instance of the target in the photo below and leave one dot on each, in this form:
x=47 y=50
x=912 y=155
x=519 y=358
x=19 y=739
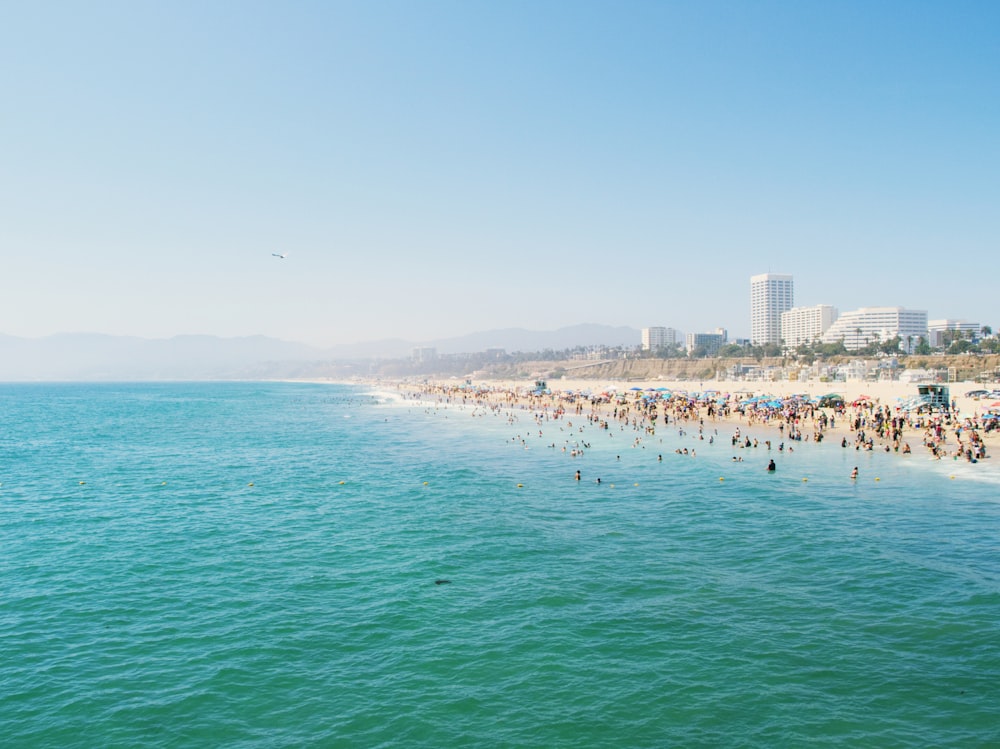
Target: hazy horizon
x=470 y=334
x=436 y=169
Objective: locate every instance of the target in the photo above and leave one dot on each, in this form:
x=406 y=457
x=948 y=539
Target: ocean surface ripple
x=262 y=565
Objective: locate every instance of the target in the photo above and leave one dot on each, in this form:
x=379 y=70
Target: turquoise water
x=151 y=596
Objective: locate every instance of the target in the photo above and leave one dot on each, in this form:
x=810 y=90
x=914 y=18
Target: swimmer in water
x=771 y=468
x=854 y=473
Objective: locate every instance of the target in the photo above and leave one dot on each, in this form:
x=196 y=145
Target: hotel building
x=860 y=327
x=938 y=331
x=770 y=295
x=654 y=338
x=806 y=324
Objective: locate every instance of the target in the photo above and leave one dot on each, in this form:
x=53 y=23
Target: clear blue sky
x=440 y=168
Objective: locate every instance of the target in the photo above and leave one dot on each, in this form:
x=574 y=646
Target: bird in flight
x=281 y=255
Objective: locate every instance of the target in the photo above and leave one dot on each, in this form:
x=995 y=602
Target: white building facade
x=943 y=332
x=770 y=295
x=654 y=338
x=806 y=324
x=860 y=327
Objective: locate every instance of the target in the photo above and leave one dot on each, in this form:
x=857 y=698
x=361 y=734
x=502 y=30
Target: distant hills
x=518 y=339
x=96 y=357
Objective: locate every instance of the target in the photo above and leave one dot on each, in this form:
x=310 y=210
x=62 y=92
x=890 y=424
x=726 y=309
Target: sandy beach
x=871 y=417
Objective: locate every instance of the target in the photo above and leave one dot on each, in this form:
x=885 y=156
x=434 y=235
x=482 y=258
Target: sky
x=434 y=169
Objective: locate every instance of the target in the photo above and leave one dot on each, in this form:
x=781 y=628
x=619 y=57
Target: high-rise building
x=770 y=295
x=654 y=338
x=806 y=324
x=860 y=327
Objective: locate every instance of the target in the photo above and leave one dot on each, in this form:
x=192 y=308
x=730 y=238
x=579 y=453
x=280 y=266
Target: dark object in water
x=441 y=582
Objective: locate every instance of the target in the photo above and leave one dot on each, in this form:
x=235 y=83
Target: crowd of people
x=865 y=424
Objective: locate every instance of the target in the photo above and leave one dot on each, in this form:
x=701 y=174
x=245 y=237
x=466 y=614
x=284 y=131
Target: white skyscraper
x=770 y=295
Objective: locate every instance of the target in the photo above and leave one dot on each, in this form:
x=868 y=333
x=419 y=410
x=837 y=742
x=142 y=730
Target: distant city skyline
x=428 y=170
x=775 y=320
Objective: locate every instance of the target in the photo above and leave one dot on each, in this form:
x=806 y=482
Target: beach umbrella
x=639 y=390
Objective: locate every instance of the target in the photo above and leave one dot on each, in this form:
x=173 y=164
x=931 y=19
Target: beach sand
x=879 y=394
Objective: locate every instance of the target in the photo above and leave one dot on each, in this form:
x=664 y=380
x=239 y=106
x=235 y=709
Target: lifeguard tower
x=935 y=396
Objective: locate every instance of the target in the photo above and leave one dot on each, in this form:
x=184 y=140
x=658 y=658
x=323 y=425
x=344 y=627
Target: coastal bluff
x=961 y=368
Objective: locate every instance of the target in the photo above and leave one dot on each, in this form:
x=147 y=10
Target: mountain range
x=98 y=357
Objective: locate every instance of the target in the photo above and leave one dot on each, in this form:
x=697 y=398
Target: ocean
x=285 y=564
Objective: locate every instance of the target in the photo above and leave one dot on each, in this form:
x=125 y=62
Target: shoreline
x=871 y=420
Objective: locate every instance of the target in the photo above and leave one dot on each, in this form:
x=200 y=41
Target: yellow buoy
x=804 y=480
x=636 y=484
x=877 y=478
x=82 y=483
x=342 y=483
x=426 y=483
x=520 y=486
x=721 y=478
x=250 y=484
